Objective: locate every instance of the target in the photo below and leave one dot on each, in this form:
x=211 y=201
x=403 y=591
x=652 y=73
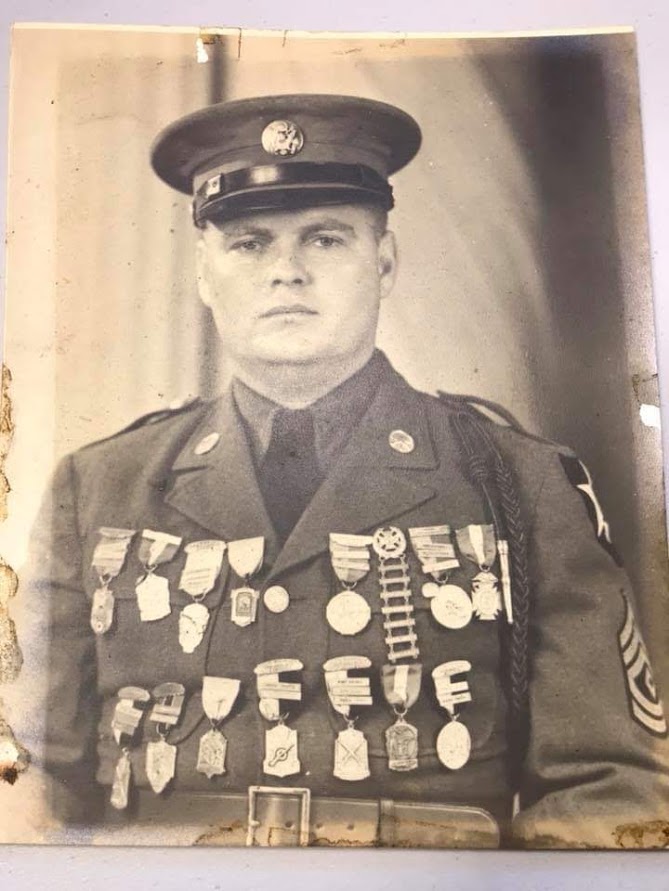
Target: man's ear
x=387 y=260
x=202 y=269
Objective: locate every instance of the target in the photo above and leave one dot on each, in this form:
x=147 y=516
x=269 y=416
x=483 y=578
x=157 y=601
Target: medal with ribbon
x=401 y=686
x=161 y=757
x=108 y=559
x=454 y=742
x=153 y=591
x=449 y=604
x=218 y=697
x=478 y=544
x=125 y=723
x=348 y=612
x=351 y=756
x=203 y=564
x=389 y=545
x=281 y=753
x=246 y=557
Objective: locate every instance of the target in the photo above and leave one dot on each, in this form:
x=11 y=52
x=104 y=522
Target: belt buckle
x=293 y=791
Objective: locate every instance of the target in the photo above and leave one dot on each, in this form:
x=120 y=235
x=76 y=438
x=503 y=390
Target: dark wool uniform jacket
x=591 y=764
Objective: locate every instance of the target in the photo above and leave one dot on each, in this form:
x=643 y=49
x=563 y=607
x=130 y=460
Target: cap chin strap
x=289 y=185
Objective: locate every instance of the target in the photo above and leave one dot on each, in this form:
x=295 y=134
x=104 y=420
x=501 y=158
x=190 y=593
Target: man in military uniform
x=326 y=608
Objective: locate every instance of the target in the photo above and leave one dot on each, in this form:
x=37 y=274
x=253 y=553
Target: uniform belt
x=289 y=816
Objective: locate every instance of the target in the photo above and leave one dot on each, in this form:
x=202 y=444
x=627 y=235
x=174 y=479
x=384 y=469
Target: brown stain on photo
x=14 y=758
x=648 y=835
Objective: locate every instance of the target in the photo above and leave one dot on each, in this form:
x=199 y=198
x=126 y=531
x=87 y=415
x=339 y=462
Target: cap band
x=272 y=186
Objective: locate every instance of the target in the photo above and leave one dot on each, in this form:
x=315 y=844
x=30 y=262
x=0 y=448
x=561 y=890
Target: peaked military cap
x=285 y=152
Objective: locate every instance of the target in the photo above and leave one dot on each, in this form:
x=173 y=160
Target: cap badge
x=205 y=445
x=283 y=138
x=213 y=186
x=401 y=441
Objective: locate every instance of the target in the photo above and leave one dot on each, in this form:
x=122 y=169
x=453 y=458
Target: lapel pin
x=401 y=441
x=205 y=445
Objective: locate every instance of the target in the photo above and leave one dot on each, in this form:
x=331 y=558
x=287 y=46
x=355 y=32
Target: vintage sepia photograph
x=335 y=507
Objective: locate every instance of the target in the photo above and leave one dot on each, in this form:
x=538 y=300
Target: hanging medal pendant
x=449 y=604
x=281 y=758
x=351 y=756
x=479 y=545
x=402 y=745
x=351 y=759
x=401 y=688
x=246 y=557
x=454 y=745
x=486 y=596
x=218 y=697
x=348 y=613
x=203 y=565
x=193 y=621
x=211 y=753
x=102 y=610
x=121 y=785
x=454 y=742
x=153 y=597
x=125 y=723
x=244 y=606
x=153 y=591
x=108 y=559
x=161 y=759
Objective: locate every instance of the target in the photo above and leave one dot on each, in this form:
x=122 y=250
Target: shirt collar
x=335 y=414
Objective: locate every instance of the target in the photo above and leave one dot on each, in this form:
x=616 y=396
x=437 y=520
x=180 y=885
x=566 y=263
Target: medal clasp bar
x=289 y=791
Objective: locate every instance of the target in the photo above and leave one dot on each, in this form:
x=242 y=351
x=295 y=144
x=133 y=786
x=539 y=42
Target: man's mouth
x=292 y=309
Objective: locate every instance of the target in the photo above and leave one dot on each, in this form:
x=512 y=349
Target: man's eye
x=326 y=241
x=248 y=246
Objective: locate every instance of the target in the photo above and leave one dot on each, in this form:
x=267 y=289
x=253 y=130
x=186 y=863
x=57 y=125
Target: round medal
x=451 y=606
x=348 y=613
x=454 y=745
x=276 y=599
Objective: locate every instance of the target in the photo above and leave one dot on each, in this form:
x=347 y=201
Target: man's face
x=296 y=287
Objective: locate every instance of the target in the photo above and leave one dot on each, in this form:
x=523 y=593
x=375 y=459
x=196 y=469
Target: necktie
x=289 y=474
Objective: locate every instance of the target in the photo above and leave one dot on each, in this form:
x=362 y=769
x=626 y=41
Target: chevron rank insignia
x=579 y=476
x=644 y=702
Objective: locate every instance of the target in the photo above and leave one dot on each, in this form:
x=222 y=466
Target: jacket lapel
x=371 y=483
x=219 y=489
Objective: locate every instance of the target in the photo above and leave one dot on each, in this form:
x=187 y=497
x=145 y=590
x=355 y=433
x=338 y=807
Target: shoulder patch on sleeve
x=643 y=698
x=579 y=476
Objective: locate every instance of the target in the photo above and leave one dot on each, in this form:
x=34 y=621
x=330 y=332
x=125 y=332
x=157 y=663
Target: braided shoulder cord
x=490 y=472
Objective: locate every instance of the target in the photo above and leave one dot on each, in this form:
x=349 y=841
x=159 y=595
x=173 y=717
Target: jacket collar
x=370 y=484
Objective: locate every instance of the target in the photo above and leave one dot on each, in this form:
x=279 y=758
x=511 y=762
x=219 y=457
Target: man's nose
x=289 y=269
